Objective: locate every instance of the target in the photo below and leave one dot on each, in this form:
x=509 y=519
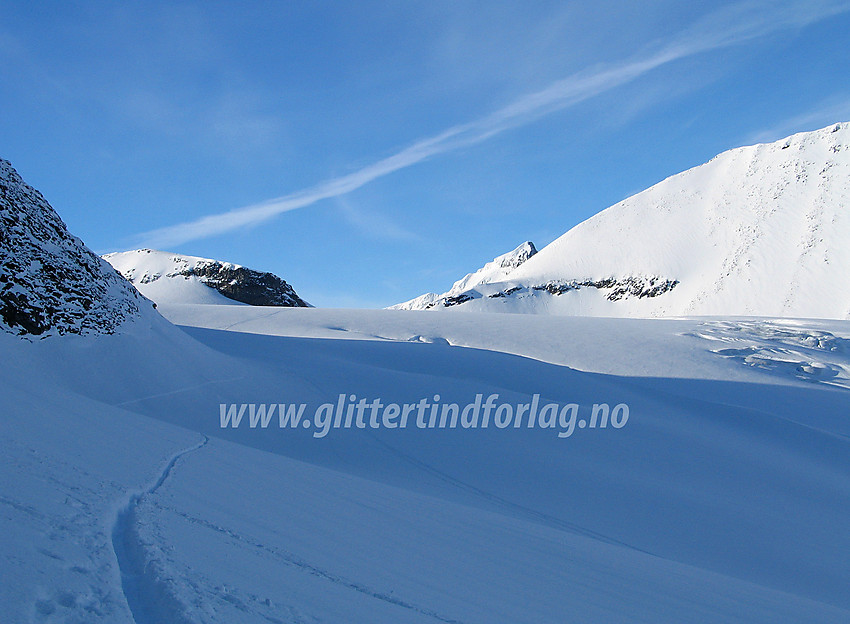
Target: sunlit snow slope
x=757 y=230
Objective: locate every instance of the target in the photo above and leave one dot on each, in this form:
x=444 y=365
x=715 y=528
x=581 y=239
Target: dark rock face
x=456 y=300
x=617 y=289
x=50 y=283
x=246 y=285
x=505 y=293
x=624 y=288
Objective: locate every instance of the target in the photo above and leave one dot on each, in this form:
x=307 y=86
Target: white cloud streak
x=835 y=109
x=372 y=224
x=734 y=25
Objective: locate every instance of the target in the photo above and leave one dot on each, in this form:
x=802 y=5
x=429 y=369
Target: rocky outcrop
x=246 y=285
x=618 y=289
x=50 y=283
x=614 y=290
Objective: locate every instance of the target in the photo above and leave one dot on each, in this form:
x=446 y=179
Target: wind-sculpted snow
x=782 y=348
x=50 y=283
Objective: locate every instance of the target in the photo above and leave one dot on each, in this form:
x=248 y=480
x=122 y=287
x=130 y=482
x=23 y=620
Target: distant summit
x=50 y=283
x=494 y=271
x=761 y=230
x=173 y=278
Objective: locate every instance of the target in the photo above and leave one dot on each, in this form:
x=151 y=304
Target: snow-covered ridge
x=50 y=283
x=494 y=271
x=174 y=278
x=758 y=230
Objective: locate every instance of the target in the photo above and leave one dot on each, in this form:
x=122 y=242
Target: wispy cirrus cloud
x=730 y=26
x=832 y=110
x=373 y=224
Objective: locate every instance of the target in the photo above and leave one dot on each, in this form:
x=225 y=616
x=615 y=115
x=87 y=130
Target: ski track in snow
x=159 y=395
x=291 y=559
x=270 y=314
x=148 y=595
x=504 y=503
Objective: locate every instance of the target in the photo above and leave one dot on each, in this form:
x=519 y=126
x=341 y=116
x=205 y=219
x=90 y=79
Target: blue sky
x=368 y=152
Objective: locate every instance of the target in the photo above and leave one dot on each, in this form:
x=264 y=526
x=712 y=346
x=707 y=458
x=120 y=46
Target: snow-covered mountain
x=173 y=278
x=496 y=270
x=759 y=230
x=50 y=283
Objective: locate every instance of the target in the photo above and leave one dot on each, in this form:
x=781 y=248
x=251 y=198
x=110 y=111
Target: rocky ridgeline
x=613 y=289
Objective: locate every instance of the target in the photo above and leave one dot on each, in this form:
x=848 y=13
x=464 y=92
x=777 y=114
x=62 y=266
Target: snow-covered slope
x=174 y=278
x=50 y=283
x=724 y=499
x=760 y=230
x=495 y=271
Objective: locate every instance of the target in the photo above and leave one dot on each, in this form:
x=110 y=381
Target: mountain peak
x=758 y=230
x=513 y=259
x=494 y=271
